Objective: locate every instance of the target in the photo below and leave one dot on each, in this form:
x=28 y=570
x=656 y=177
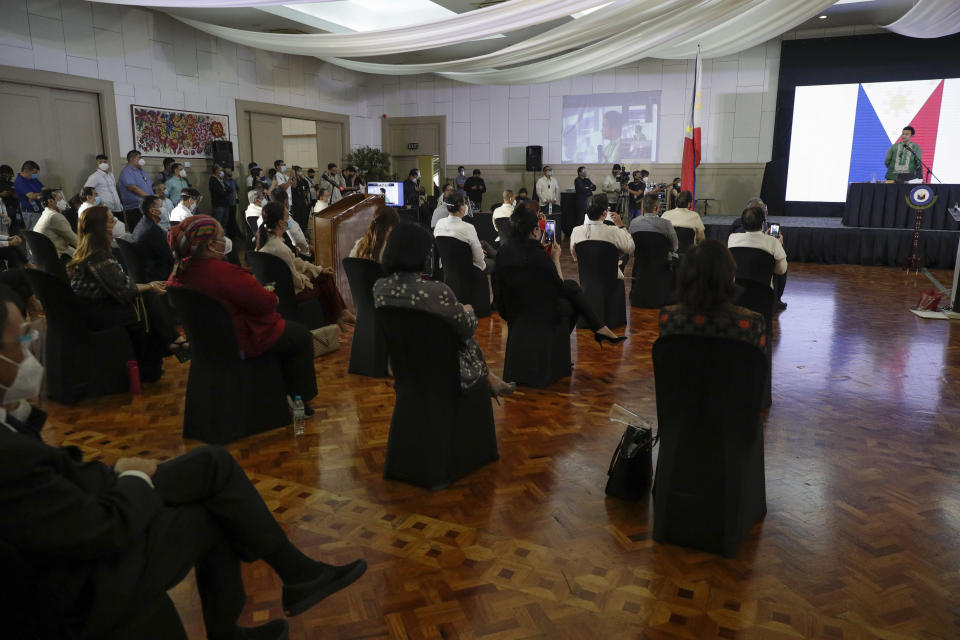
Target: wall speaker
x=534 y=158
x=223 y=153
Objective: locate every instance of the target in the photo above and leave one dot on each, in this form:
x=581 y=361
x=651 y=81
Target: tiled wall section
x=157 y=61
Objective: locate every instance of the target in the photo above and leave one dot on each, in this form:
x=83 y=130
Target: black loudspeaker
x=534 y=158
x=223 y=153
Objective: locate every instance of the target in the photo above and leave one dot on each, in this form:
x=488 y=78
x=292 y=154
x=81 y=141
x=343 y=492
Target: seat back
x=132 y=260
x=652 y=277
x=44 y=254
x=460 y=274
x=131 y=218
x=504 y=229
x=368 y=350
x=709 y=486
x=252 y=225
x=424 y=351
x=269 y=268
x=598 y=266
x=208 y=326
x=685 y=238
x=753 y=264
x=483 y=222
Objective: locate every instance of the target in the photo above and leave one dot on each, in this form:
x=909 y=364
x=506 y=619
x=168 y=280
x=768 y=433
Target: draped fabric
x=204 y=4
x=929 y=19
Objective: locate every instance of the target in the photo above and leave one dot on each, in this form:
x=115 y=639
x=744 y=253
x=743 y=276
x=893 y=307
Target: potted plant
x=372 y=163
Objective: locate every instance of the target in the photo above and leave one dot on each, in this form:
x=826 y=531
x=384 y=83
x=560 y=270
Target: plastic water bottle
x=133 y=373
x=550 y=209
x=299 y=417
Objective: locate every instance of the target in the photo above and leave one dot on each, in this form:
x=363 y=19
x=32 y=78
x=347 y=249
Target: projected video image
x=611 y=127
x=841 y=133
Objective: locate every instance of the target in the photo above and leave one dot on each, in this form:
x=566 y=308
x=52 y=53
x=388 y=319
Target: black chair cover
x=504 y=229
x=252 y=225
x=80 y=363
x=538 y=337
x=709 y=488
x=227 y=397
x=753 y=264
x=652 y=275
x=131 y=218
x=44 y=254
x=438 y=432
x=132 y=260
x=483 y=222
x=685 y=238
x=368 y=349
x=598 y=263
x=754 y=272
x=269 y=268
x=469 y=283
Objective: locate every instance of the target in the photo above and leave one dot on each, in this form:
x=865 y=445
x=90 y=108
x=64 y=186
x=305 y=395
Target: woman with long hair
x=370 y=245
x=112 y=298
x=309 y=280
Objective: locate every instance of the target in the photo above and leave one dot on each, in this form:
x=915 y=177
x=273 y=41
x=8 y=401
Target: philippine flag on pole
x=691 y=140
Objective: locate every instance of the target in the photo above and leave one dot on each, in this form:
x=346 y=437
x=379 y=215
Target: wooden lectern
x=337 y=228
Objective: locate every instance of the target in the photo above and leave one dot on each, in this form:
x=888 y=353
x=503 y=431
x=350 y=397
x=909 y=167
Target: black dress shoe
x=273 y=630
x=299 y=597
x=781 y=305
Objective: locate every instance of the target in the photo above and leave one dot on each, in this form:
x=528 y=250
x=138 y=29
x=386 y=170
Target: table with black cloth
x=884 y=206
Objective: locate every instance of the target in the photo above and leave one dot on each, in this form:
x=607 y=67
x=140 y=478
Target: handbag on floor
x=325 y=340
x=631 y=468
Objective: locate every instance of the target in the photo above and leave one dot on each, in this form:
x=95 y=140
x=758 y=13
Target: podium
x=337 y=228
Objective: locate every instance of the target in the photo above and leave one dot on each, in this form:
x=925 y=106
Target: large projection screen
x=841 y=133
x=611 y=127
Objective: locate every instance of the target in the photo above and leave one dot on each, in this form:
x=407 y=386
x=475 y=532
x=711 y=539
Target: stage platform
x=827 y=241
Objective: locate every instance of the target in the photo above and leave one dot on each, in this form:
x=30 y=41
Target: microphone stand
x=922 y=165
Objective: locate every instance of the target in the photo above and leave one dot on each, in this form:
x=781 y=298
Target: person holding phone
x=528 y=249
x=753 y=236
x=453 y=226
x=595 y=228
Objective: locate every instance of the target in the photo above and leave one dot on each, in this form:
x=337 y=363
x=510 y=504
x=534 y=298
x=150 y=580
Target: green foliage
x=374 y=162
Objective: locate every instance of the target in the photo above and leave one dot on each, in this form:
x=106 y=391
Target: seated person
x=593 y=228
x=754 y=236
x=309 y=280
x=522 y=194
x=256 y=199
x=453 y=226
x=527 y=249
x=294 y=233
x=90 y=198
x=403 y=259
x=649 y=221
x=54 y=225
x=705 y=295
x=683 y=216
x=323 y=200
x=189 y=200
x=113 y=299
x=199 y=246
x=166 y=205
x=370 y=246
x=505 y=210
x=106 y=542
x=151 y=241
x=441 y=211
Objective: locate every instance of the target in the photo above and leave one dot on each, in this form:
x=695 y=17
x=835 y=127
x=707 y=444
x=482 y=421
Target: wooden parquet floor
x=862 y=537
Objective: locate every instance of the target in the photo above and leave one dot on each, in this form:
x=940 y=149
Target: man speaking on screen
x=902 y=165
x=612 y=131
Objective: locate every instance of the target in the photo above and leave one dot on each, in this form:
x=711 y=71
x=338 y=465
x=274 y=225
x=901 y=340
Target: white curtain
x=929 y=19
x=473 y=25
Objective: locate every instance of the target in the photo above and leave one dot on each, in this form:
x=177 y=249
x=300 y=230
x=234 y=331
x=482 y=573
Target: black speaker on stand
x=223 y=152
x=535 y=161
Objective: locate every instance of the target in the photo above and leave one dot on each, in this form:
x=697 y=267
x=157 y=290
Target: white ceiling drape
x=203 y=4
x=929 y=19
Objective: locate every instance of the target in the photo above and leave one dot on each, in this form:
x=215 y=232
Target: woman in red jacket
x=199 y=245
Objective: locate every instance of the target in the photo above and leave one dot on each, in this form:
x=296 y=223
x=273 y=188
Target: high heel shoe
x=503 y=391
x=601 y=338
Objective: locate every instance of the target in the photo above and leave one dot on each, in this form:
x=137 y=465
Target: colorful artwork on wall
x=182 y=134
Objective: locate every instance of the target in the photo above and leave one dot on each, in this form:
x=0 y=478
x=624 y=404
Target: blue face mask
x=97 y=200
x=35 y=176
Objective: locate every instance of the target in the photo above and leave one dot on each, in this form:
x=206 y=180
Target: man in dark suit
x=151 y=242
x=584 y=188
x=100 y=543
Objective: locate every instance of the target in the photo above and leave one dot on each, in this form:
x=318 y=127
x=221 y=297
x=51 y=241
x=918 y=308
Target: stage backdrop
x=841 y=133
x=182 y=134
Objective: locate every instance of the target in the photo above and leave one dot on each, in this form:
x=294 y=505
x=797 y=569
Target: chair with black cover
x=685 y=238
x=439 y=432
x=483 y=223
x=504 y=229
x=754 y=272
x=368 y=348
x=469 y=283
x=709 y=488
x=27 y=612
x=81 y=363
x=252 y=222
x=598 y=265
x=132 y=260
x=44 y=254
x=228 y=396
x=652 y=273
x=269 y=268
x=538 y=337
x=131 y=218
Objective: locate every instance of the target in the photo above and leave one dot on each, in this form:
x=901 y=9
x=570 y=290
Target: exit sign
x=413 y=146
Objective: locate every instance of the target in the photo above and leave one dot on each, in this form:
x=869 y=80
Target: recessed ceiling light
x=823 y=17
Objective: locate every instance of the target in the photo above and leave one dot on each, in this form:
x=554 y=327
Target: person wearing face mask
x=219 y=195
x=135 y=184
x=189 y=199
x=177 y=182
x=312 y=186
x=310 y=282
x=300 y=200
x=548 y=189
x=441 y=211
x=105 y=183
x=151 y=241
x=90 y=198
x=323 y=200
x=28 y=188
x=281 y=179
x=412 y=191
x=475 y=187
x=296 y=239
x=332 y=180
x=461 y=180
x=160 y=191
x=54 y=225
x=167 y=172
x=352 y=180
x=584 y=188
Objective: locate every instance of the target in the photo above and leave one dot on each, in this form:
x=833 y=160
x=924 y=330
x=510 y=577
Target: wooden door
x=329 y=144
x=266 y=140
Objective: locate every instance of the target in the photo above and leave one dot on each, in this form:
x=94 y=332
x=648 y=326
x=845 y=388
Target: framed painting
x=176 y=133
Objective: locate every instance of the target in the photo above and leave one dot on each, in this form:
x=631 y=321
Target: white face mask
x=141 y=162
x=28 y=381
x=220 y=174
x=183 y=173
x=283 y=168
x=193 y=207
x=103 y=166
x=549 y=173
x=62 y=205
x=227 y=247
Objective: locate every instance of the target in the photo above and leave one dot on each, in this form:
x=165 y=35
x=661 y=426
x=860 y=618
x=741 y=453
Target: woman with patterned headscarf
x=199 y=245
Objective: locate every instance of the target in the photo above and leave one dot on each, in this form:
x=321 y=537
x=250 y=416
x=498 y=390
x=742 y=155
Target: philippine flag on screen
x=841 y=133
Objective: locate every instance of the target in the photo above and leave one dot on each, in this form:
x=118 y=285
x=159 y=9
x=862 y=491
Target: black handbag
x=631 y=468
